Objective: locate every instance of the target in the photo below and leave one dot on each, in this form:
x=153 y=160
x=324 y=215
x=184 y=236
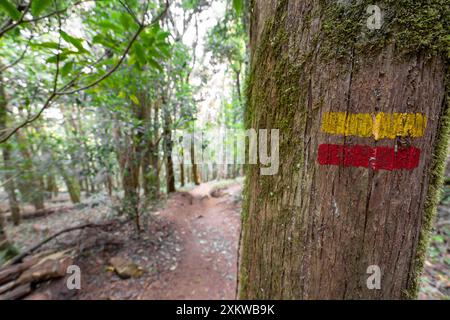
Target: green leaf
x=188 y=4
x=10 y=9
x=155 y=64
x=100 y=39
x=67 y=68
x=238 y=6
x=161 y=36
x=126 y=20
x=49 y=45
x=77 y=43
x=134 y=99
x=108 y=25
x=63 y=56
x=54 y=59
x=165 y=50
x=37 y=6
x=140 y=53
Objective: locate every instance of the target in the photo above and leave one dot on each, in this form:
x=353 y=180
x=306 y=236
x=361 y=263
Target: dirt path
x=209 y=229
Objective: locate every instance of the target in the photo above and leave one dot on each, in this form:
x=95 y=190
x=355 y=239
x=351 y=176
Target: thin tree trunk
x=195 y=170
x=156 y=169
x=73 y=188
x=215 y=169
x=4 y=243
x=150 y=173
x=10 y=187
x=31 y=186
x=351 y=194
x=182 y=174
x=238 y=85
x=9 y=183
x=130 y=183
x=51 y=186
x=150 y=176
x=155 y=143
x=109 y=184
x=168 y=145
x=126 y=156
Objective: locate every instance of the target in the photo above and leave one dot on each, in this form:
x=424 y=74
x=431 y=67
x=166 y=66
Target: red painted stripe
x=378 y=158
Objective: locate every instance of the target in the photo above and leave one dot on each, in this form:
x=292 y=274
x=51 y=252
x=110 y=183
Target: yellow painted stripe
x=380 y=126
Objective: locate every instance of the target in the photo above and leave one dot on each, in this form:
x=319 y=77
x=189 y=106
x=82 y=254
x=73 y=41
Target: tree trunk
x=155 y=168
x=51 y=186
x=182 y=173
x=130 y=184
x=150 y=163
x=188 y=174
x=109 y=184
x=31 y=186
x=3 y=238
x=9 y=184
x=215 y=171
x=155 y=154
x=195 y=171
x=168 y=145
x=238 y=85
x=73 y=187
x=150 y=174
x=360 y=166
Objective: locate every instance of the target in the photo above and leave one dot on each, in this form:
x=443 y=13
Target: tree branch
x=122 y=58
x=27 y=252
x=11 y=24
x=57 y=93
x=22 y=55
x=130 y=12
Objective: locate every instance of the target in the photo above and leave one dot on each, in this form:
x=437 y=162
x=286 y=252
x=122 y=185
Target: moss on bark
x=434 y=194
x=277 y=86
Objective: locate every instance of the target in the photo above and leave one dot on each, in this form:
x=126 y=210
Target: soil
x=209 y=231
x=187 y=251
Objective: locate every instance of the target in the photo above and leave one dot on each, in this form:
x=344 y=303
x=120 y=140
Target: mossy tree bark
x=195 y=169
x=9 y=183
x=168 y=147
x=312 y=230
x=4 y=243
x=132 y=160
x=150 y=160
x=72 y=185
x=31 y=181
x=182 y=168
x=155 y=155
x=51 y=187
x=131 y=186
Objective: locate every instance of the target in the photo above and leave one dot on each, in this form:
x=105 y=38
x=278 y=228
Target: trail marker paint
x=380 y=126
x=376 y=158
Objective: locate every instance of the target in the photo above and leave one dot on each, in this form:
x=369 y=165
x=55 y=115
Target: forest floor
x=186 y=250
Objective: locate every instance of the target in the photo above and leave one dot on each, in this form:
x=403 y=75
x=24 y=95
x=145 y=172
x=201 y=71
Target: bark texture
x=168 y=147
x=311 y=231
x=195 y=168
x=72 y=185
x=9 y=183
x=31 y=184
